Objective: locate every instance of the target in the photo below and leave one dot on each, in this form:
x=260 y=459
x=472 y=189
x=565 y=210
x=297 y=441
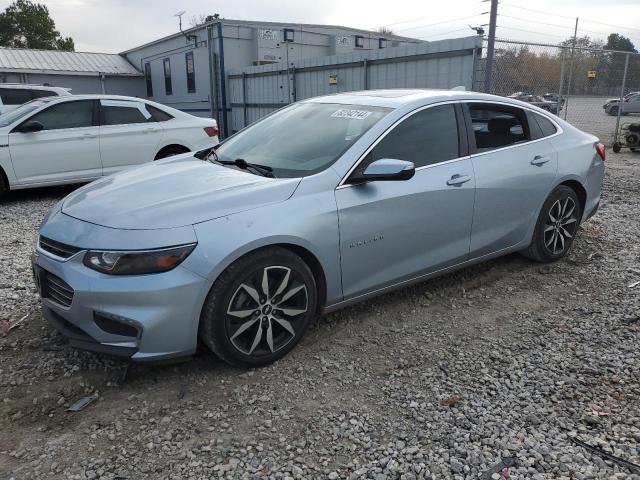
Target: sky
x=113 y=26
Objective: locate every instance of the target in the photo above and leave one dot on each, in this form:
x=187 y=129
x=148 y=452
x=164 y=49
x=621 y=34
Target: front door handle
x=539 y=160
x=458 y=180
x=88 y=135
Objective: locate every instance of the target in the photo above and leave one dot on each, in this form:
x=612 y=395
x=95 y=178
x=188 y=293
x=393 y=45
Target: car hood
x=173 y=193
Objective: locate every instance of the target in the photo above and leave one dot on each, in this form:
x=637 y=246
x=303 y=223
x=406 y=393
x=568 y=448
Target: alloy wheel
x=560 y=226
x=263 y=313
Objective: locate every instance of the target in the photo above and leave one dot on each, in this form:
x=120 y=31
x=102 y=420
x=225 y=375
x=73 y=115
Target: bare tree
x=384 y=30
x=196 y=20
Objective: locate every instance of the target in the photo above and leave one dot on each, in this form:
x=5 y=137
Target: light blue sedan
x=326 y=202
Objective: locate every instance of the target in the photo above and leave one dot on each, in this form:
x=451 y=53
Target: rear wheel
x=556 y=226
x=4 y=188
x=259 y=308
x=170 y=151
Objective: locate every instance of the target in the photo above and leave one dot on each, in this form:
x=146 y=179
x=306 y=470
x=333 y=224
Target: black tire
x=613 y=111
x=4 y=188
x=171 y=151
x=616 y=147
x=551 y=245
x=243 y=341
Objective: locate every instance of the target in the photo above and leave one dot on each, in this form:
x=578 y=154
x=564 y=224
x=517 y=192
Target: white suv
x=12 y=95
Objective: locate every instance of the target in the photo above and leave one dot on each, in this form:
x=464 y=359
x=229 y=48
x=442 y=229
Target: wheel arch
x=577 y=187
x=4 y=181
x=171 y=145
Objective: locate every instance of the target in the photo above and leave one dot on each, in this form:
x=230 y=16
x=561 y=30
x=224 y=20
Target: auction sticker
x=355 y=114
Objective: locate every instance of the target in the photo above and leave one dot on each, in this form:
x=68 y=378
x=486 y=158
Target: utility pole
x=573 y=51
x=493 y=18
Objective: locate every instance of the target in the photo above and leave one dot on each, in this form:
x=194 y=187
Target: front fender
x=224 y=240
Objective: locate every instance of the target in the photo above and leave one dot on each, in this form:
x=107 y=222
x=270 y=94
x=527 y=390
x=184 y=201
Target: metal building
x=188 y=70
x=81 y=72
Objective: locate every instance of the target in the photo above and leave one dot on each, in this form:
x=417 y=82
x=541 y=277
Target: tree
x=384 y=30
x=615 y=41
x=25 y=24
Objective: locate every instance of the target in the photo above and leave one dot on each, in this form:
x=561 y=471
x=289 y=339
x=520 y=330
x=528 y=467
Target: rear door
x=514 y=169
x=397 y=230
x=129 y=134
x=66 y=149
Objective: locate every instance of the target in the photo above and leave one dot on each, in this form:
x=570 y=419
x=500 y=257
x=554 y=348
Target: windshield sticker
x=355 y=114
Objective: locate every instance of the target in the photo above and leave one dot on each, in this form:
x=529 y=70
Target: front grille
x=55 y=289
x=56 y=248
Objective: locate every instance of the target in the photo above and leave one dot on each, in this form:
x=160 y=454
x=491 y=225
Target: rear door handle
x=458 y=180
x=539 y=160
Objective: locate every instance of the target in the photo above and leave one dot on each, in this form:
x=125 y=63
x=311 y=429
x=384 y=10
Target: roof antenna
x=187 y=36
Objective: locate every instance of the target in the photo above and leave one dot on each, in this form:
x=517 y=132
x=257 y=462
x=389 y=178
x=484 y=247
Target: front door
x=513 y=175
x=66 y=149
x=397 y=230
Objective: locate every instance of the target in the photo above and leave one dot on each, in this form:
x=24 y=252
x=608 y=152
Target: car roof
x=397 y=98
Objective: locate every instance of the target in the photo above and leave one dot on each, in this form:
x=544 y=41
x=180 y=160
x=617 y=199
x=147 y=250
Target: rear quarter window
x=547 y=127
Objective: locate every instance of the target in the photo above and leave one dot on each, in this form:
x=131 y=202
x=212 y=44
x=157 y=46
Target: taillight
x=600 y=150
x=211 y=131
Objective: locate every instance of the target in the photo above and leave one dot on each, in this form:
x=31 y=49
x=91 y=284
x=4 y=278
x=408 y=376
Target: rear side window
x=123 y=113
x=426 y=137
x=497 y=126
x=42 y=93
x=158 y=115
x=545 y=125
x=66 y=115
x=14 y=96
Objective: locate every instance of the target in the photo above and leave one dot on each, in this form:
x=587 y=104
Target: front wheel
x=259 y=308
x=613 y=111
x=616 y=147
x=556 y=226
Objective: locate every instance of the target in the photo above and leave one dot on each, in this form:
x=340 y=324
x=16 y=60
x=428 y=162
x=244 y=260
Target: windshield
x=302 y=139
x=22 y=111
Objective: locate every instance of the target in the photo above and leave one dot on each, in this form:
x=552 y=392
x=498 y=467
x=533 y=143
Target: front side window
x=497 y=126
x=21 y=112
x=167 y=76
x=14 y=96
x=116 y=112
x=426 y=137
x=191 y=75
x=76 y=114
x=301 y=139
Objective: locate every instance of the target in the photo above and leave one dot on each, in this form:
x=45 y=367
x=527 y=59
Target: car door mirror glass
x=385 y=169
x=30 y=127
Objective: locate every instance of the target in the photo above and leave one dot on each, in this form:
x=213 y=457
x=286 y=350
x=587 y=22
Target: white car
x=12 y=95
x=78 y=138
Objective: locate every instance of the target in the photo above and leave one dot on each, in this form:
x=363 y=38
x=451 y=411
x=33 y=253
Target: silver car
x=326 y=202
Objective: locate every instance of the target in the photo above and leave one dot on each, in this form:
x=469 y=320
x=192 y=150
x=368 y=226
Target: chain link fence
x=573 y=82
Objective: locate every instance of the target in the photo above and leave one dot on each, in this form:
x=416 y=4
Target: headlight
x=137 y=262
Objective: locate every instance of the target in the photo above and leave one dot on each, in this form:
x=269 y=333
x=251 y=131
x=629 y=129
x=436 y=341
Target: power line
x=552 y=24
x=532 y=31
x=448 y=32
x=565 y=16
x=422 y=18
x=439 y=23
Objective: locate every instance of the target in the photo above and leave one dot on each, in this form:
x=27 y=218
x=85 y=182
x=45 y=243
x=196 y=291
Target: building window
x=191 y=75
x=289 y=34
x=382 y=43
x=167 y=76
x=147 y=77
x=359 y=41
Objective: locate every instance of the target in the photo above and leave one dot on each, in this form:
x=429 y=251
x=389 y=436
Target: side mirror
x=30 y=127
x=385 y=169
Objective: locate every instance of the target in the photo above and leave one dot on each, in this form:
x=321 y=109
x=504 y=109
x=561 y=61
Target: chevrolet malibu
x=326 y=202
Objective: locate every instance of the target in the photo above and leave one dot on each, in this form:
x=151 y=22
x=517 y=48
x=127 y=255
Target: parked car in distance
x=538 y=101
x=12 y=95
x=612 y=101
x=630 y=104
x=554 y=97
x=326 y=202
x=78 y=138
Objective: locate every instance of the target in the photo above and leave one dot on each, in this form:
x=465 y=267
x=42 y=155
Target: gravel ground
x=497 y=371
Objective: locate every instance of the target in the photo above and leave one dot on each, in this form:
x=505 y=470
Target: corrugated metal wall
x=254 y=92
